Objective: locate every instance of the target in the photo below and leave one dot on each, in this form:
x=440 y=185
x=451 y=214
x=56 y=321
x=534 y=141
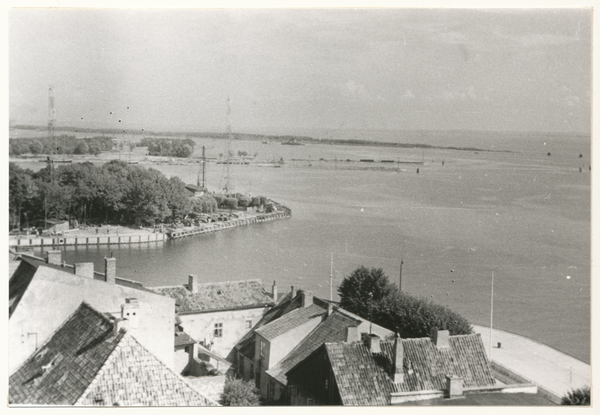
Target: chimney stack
x=193 y=352
x=329 y=309
x=441 y=338
x=274 y=291
x=84 y=269
x=53 y=257
x=398 y=375
x=352 y=334
x=110 y=270
x=373 y=343
x=307 y=298
x=130 y=311
x=454 y=386
x=293 y=293
x=119 y=324
x=192 y=283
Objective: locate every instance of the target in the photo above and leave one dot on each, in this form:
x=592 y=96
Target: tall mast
x=203 y=163
x=228 y=186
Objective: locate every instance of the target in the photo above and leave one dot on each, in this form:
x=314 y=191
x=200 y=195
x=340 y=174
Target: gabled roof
x=31 y=265
x=84 y=363
x=332 y=329
x=363 y=378
x=216 y=296
x=426 y=366
x=360 y=380
x=290 y=321
x=285 y=305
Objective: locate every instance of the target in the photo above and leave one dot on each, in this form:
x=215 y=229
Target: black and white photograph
x=310 y=206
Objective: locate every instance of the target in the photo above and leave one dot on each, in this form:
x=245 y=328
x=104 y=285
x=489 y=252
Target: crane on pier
x=228 y=187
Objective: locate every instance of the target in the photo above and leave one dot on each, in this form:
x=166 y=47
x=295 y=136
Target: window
x=248 y=324
x=310 y=401
x=218 y=330
x=263 y=347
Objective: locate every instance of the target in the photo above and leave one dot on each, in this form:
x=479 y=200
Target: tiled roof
x=182 y=339
x=290 y=321
x=132 y=376
x=487 y=399
x=84 y=363
x=360 y=380
x=332 y=329
x=218 y=296
x=72 y=357
x=426 y=366
x=363 y=378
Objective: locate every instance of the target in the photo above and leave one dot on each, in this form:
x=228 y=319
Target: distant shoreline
x=280 y=139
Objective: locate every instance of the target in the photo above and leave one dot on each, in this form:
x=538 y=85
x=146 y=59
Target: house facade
x=219 y=314
x=43 y=293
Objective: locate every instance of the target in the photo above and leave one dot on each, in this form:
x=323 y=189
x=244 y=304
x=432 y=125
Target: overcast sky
x=285 y=70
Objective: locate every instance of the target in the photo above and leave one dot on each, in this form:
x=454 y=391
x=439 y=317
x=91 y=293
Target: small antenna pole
x=491 y=315
x=331 y=279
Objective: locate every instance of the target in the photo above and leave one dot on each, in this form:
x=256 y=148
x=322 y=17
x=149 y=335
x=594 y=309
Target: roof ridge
x=206 y=283
x=60 y=326
x=100 y=371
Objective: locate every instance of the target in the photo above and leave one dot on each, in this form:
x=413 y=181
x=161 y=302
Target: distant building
x=389 y=372
x=288 y=333
x=92 y=359
x=219 y=314
x=195 y=190
x=43 y=293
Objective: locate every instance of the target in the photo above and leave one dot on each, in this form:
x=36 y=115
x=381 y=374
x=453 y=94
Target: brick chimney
x=373 y=343
x=352 y=334
x=293 y=291
x=274 y=291
x=398 y=375
x=110 y=270
x=130 y=311
x=454 y=386
x=193 y=283
x=441 y=338
x=307 y=298
x=84 y=269
x=329 y=309
x=119 y=324
x=53 y=257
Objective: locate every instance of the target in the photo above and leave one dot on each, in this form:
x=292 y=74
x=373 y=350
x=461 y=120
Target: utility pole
x=400 y=281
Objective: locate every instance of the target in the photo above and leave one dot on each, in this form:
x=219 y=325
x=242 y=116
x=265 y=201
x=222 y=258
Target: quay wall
x=66 y=240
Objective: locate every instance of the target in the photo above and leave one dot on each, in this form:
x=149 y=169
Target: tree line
x=369 y=294
x=62 y=144
x=112 y=193
x=168 y=146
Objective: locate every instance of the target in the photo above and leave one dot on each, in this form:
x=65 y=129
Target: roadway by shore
x=549 y=368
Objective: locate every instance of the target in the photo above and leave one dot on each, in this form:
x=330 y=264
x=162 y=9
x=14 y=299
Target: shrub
x=238 y=392
x=579 y=396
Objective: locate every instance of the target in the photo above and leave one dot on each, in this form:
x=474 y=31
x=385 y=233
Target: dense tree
x=238 y=392
x=22 y=190
x=369 y=294
x=579 y=396
x=82 y=148
x=35 y=147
